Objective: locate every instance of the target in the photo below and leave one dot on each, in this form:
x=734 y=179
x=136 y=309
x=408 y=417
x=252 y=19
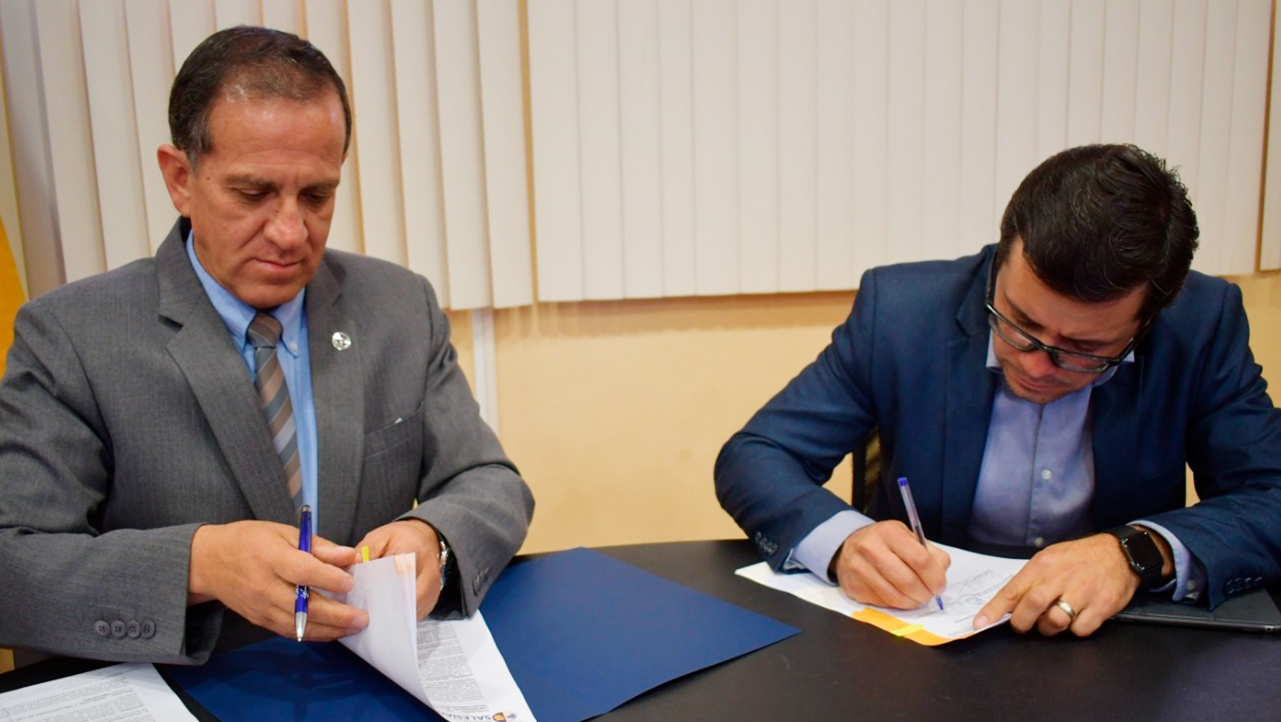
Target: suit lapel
x=970 y=389
x=1114 y=416
x=337 y=384
x=218 y=378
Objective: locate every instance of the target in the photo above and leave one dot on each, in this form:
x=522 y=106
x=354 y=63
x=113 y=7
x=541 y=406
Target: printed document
x=119 y=693
x=452 y=666
x=972 y=581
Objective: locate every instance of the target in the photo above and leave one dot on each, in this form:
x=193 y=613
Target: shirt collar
x=237 y=314
x=994 y=365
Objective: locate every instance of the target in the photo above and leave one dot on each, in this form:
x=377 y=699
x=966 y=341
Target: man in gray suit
x=152 y=467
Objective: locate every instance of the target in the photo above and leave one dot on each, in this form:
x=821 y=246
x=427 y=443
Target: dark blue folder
x=581 y=633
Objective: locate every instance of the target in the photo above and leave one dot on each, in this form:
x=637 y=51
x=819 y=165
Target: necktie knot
x=264 y=331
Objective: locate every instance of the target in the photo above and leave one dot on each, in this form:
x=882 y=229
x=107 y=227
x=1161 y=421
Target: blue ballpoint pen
x=914 y=519
x=304 y=544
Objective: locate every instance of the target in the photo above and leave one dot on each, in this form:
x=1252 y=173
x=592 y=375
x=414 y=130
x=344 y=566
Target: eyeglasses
x=1023 y=341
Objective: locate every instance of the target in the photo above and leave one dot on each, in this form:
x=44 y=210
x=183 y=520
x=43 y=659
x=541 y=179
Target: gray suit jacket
x=128 y=418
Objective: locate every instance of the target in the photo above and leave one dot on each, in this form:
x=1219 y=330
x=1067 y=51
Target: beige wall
x=1263 y=305
x=615 y=411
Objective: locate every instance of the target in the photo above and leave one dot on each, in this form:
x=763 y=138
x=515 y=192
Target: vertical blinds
x=755 y=146
x=679 y=147
x=435 y=180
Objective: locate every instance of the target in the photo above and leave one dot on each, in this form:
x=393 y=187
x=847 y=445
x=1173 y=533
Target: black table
x=839 y=669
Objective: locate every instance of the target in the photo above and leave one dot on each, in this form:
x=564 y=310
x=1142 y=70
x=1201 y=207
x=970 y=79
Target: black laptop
x=1255 y=611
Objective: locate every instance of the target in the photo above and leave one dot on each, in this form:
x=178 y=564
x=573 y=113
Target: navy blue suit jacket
x=911 y=360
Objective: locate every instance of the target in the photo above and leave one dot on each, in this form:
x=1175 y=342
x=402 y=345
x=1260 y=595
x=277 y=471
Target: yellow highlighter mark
x=904 y=631
x=364 y=553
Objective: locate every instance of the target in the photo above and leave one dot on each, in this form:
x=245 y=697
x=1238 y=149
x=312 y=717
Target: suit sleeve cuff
x=815 y=551
x=1189 y=573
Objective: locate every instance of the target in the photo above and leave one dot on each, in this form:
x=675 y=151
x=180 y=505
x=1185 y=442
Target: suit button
x=102 y=628
x=148 y=629
x=118 y=629
x=133 y=629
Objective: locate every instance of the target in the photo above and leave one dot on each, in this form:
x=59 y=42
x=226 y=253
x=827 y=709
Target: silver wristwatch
x=443 y=558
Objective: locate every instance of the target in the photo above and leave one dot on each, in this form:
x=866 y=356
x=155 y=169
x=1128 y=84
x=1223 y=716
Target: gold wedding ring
x=1067 y=609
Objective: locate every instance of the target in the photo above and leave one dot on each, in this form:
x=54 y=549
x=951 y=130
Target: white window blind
x=679 y=147
x=435 y=180
x=754 y=146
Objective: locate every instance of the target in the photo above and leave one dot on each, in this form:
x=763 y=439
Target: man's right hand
x=254 y=568
x=884 y=564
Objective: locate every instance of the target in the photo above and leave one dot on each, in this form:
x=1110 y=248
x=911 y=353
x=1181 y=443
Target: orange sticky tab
x=879 y=619
x=899 y=628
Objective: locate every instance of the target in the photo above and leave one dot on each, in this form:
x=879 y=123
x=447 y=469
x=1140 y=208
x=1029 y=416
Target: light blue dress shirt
x=1034 y=487
x=294 y=357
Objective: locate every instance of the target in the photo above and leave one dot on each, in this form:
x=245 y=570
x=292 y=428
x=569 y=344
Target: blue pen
x=915 y=519
x=304 y=544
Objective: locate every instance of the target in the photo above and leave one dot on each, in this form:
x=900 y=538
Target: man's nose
x=286 y=229
x=1037 y=363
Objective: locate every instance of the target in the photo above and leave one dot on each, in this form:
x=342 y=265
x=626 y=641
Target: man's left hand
x=1091 y=576
x=411 y=536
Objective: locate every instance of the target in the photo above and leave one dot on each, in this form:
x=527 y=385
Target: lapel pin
x=342 y=341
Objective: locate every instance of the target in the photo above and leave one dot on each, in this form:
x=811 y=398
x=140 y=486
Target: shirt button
x=1046 y=474
x=118 y=629
x=102 y=628
x=133 y=629
x=293 y=347
x=1039 y=542
x=148 y=629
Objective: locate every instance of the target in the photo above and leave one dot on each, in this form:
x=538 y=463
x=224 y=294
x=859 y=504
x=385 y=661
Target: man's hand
x=411 y=536
x=255 y=567
x=1091 y=575
x=885 y=565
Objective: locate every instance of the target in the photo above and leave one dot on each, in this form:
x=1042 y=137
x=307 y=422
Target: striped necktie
x=273 y=398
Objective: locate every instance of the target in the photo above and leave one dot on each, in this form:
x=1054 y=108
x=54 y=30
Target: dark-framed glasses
x=1023 y=341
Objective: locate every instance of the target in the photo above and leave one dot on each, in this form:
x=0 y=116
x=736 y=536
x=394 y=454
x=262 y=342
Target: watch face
x=1142 y=549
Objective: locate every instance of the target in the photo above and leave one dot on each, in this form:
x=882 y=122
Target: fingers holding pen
x=255 y=567
x=885 y=565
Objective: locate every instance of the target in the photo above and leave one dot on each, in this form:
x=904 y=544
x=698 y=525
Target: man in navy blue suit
x=1045 y=394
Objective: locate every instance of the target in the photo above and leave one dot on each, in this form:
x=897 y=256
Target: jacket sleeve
x=770 y=475
x=71 y=588
x=1234 y=450
x=470 y=491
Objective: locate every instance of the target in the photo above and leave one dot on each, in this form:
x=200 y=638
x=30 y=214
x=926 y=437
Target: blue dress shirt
x=294 y=357
x=1034 y=487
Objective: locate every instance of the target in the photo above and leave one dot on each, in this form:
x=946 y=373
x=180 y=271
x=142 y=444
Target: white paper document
x=119 y=693
x=972 y=581
x=454 y=666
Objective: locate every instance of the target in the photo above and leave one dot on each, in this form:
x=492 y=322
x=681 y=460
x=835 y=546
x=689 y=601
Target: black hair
x=1099 y=221
x=261 y=63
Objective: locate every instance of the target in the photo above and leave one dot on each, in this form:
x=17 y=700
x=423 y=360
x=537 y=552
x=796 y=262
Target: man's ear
x=178 y=176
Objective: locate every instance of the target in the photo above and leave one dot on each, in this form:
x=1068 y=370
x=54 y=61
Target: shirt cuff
x=1189 y=572
x=816 y=550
